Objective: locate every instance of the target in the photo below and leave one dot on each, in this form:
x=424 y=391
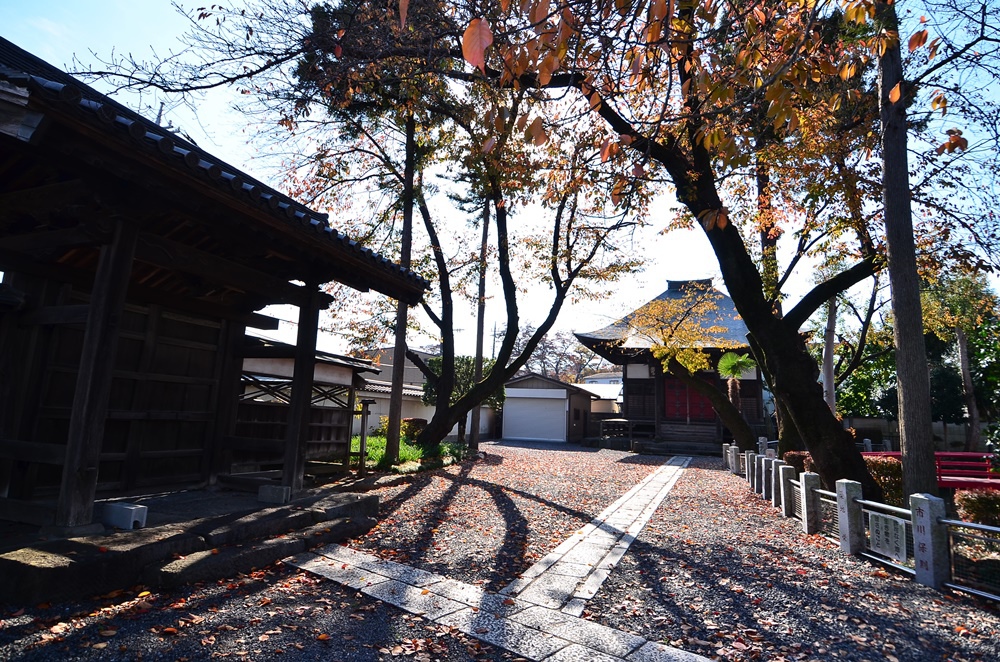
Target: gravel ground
x=718 y=572
x=715 y=571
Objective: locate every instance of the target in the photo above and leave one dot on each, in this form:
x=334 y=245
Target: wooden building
x=659 y=406
x=133 y=263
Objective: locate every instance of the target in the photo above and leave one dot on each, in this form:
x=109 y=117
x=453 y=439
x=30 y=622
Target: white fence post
x=776 y=482
x=725 y=456
x=930 y=540
x=811 y=513
x=768 y=465
x=748 y=469
x=786 y=474
x=850 y=516
x=758 y=464
x=734 y=459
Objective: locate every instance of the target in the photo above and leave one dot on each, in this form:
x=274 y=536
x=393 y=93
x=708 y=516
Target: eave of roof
x=54 y=90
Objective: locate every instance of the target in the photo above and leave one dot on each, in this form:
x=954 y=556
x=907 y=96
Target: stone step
x=75 y=568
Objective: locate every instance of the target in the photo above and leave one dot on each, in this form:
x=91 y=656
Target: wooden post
x=297 y=433
x=93 y=383
x=229 y=369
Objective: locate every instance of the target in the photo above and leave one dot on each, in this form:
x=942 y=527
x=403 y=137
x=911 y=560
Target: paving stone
x=412 y=599
x=593 y=584
x=391 y=569
x=587 y=553
x=578 y=653
x=655 y=652
x=338 y=571
x=505 y=633
x=575 y=607
x=579 y=570
x=541 y=565
x=550 y=590
x=474 y=596
x=613 y=557
x=587 y=633
x=515 y=586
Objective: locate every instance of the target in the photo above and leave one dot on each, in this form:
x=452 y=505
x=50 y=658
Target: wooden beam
x=73 y=314
x=43 y=200
x=30 y=451
x=176 y=256
x=297 y=433
x=50 y=241
x=82 y=278
x=93 y=385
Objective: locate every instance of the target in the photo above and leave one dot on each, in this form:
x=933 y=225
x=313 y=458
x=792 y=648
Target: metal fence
x=829 y=517
x=975 y=558
x=888 y=535
x=797 y=498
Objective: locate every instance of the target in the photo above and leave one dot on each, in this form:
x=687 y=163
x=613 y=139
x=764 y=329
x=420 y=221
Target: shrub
x=801 y=460
x=411 y=428
x=383 y=427
x=888 y=473
x=980 y=506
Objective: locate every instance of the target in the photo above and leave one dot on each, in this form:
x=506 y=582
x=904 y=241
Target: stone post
x=725 y=456
x=930 y=540
x=786 y=474
x=776 y=483
x=768 y=465
x=850 y=517
x=867 y=443
x=762 y=445
x=734 y=459
x=812 y=515
x=748 y=467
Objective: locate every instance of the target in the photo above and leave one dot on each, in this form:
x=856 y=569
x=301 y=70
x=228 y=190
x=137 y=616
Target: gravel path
x=715 y=571
x=718 y=572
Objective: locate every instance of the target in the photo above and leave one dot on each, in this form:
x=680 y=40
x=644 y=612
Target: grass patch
x=412 y=457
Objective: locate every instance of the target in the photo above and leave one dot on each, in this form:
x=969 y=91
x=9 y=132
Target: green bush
x=409 y=453
x=410 y=428
x=980 y=506
x=888 y=473
x=383 y=427
x=801 y=460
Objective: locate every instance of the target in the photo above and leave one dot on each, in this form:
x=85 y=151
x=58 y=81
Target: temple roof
x=623 y=339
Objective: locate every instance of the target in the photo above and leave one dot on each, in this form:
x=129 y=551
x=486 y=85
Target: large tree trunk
x=972 y=436
x=730 y=415
x=789 y=438
x=912 y=376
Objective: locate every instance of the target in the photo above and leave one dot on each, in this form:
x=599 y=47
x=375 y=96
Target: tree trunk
x=829 y=345
x=730 y=415
x=972 y=436
x=916 y=441
x=480 y=325
x=399 y=349
x=789 y=438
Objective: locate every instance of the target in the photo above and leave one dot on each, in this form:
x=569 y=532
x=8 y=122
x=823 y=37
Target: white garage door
x=542 y=419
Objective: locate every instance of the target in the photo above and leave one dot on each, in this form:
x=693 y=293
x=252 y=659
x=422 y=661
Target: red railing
x=960 y=470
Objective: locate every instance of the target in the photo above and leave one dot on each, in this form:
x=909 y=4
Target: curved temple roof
x=620 y=340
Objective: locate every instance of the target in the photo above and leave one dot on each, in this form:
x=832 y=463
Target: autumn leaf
x=895 y=93
x=917 y=40
x=475 y=41
x=404 y=6
x=323 y=637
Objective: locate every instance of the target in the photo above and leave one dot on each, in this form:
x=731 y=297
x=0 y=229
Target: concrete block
x=786 y=474
x=551 y=591
x=578 y=653
x=776 y=483
x=413 y=599
x=224 y=562
x=656 y=652
x=126 y=516
x=279 y=494
x=812 y=515
x=850 y=516
x=930 y=540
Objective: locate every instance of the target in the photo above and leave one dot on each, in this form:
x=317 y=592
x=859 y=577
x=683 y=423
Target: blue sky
x=59 y=30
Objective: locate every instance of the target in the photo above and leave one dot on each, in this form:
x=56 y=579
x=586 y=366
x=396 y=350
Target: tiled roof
x=51 y=87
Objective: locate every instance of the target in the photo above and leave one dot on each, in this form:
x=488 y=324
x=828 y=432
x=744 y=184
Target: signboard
x=887 y=536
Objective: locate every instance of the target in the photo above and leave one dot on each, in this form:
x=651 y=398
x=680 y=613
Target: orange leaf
x=404 y=6
x=169 y=630
x=895 y=93
x=917 y=39
x=323 y=637
x=475 y=41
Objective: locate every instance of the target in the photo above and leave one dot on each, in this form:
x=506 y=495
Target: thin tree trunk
x=829 y=345
x=399 y=349
x=480 y=322
x=912 y=376
x=972 y=436
x=728 y=413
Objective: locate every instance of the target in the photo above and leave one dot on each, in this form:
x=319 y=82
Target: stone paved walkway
x=537 y=615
